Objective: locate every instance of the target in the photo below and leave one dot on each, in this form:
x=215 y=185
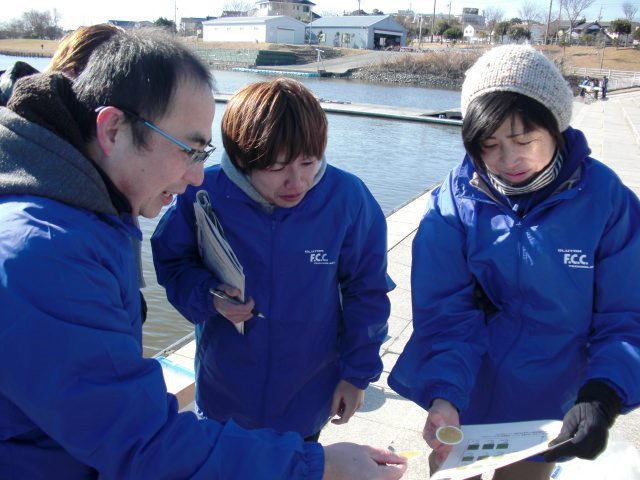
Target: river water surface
x=397 y=160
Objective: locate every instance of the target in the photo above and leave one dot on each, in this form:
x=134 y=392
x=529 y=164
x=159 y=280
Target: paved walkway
x=341 y=65
x=388 y=420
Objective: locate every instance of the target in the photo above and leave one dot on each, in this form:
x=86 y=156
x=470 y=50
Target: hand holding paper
x=490 y=446
x=215 y=251
x=585 y=430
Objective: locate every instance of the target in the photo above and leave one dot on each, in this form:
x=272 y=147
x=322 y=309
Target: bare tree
x=492 y=16
x=629 y=9
x=242 y=6
x=574 y=9
x=530 y=11
x=41 y=24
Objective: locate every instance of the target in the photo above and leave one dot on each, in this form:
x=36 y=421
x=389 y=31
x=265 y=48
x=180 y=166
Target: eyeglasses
x=196 y=155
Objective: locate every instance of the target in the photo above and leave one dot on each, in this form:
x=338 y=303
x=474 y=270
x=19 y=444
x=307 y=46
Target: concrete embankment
x=415 y=79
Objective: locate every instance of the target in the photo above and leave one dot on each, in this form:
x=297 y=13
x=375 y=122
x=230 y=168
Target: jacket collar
x=244 y=184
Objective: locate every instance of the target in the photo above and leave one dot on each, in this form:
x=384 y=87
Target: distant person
x=586 y=86
x=605 y=86
x=312 y=241
x=78 y=161
x=525 y=272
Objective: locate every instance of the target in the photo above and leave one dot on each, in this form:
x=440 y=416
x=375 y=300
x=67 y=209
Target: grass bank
x=443 y=66
x=28 y=47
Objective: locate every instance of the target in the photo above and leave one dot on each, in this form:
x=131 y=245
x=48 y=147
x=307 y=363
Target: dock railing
x=618 y=79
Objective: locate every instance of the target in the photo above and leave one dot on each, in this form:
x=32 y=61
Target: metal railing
x=617 y=78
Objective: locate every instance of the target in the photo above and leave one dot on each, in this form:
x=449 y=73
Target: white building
x=469 y=33
x=277 y=29
x=361 y=31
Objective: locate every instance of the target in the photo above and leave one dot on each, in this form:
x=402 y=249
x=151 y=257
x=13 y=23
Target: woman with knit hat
x=525 y=273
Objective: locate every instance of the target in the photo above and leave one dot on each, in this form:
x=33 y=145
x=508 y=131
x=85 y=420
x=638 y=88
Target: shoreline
x=28 y=54
x=409 y=79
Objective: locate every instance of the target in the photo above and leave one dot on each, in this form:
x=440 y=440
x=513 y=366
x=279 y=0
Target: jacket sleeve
x=443 y=355
x=179 y=268
x=78 y=374
x=614 y=343
x=364 y=285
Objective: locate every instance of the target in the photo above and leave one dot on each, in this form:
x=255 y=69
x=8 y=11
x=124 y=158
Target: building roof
x=301 y=2
x=248 y=20
x=350 y=21
x=130 y=23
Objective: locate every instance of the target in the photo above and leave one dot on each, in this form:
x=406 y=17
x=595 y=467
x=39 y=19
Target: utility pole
x=559 y=21
x=420 y=35
x=359 y=10
x=433 y=20
x=449 y=17
x=546 y=32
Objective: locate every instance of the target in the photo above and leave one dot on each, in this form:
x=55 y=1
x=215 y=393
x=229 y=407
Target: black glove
x=588 y=422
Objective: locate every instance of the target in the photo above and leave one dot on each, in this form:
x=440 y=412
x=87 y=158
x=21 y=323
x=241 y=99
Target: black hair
x=486 y=113
x=140 y=71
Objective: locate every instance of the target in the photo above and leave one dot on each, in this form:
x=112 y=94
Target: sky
x=74 y=13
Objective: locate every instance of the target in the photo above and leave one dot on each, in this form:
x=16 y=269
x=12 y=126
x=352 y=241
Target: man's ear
x=109 y=128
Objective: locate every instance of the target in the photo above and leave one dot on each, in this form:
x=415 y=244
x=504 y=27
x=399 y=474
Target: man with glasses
x=77 y=163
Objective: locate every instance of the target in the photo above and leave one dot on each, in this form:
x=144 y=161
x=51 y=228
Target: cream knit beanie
x=520 y=69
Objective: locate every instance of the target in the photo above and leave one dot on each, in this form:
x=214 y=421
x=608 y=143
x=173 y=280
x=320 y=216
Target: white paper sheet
x=487 y=447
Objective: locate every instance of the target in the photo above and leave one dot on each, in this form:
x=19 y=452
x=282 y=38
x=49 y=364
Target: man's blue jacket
x=77 y=399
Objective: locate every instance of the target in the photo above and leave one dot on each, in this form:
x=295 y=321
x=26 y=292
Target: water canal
x=397 y=160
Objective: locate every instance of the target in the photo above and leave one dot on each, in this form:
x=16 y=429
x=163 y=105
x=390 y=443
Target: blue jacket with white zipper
x=317 y=271
x=512 y=315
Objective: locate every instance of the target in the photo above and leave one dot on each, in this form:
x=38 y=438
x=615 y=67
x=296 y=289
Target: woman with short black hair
x=525 y=272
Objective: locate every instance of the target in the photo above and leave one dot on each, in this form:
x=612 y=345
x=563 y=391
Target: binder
x=215 y=251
